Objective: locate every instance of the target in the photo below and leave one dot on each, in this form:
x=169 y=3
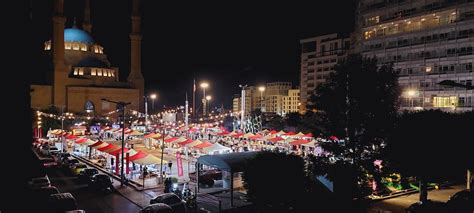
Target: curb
x=113 y=175
x=406 y=192
x=103 y=170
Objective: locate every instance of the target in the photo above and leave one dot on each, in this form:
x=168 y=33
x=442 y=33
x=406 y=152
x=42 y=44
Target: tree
x=293 y=119
x=431 y=145
x=275 y=122
x=269 y=172
x=359 y=102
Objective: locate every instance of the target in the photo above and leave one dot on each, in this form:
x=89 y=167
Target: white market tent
x=216 y=147
x=149 y=159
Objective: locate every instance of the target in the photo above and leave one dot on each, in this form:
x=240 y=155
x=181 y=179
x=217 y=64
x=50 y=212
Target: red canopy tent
x=223 y=133
x=203 y=145
x=290 y=133
x=139 y=155
x=98 y=143
x=237 y=135
x=81 y=140
x=110 y=146
x=169 y=140
x=275 y=139
x=257 y=136
x=149 y=135
x=118 y=151
x=185 y=142
x=71 y=137
x=273 y=132
x=299 y=142
x=309 y=135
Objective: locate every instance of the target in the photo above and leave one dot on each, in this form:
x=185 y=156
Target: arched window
x=89 y=106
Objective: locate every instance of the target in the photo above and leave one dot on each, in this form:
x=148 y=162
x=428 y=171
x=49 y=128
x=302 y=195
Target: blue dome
x=77 y=35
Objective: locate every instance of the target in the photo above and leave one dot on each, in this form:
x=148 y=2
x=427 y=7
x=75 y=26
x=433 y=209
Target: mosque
x=82 y=75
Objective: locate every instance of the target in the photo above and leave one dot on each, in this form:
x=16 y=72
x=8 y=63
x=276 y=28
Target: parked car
x=157 y=208
x=206 y=181
x=102 y=182
x=42 y=194
x=171 y=200
x=76 y=169
x=86 y=175
x=39 y=182
x=71 y=162
x=62 y=202
x=429 y=206
x=48 y=162
x=50 y=150
x=214 y=174
x=462 y=201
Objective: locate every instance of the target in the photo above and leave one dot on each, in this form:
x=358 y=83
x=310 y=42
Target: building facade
x=428 y=41
x=82 y=75
x=319 y=55
x=274 y=97
x=291 y=102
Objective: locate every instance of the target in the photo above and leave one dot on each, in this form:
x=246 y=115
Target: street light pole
x=242 y=116
x=146 y=112
x=121 y=106
x=162 y=149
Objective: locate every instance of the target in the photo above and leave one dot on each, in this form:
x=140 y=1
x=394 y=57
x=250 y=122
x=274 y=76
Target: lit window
x=81 y=71
x=112 y=73
x=99 y=72
x=75 y=71
x=75 y=46
x=84 y=47
x=101 y=50
x=428 y=69
x=67 y=46
x=93 y=71
x=443 y=102
x=96 y=49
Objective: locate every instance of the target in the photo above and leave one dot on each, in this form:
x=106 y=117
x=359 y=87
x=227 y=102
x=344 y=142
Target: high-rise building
x=428 y=41
x=318 y=57
x=291 y=102
x=274 y=97
x=236 y=104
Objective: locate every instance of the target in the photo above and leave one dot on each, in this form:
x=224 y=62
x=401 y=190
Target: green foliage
x=293 y=119
x=271 y=172
x=276 y=122
x=359 y=101
x=432 y=144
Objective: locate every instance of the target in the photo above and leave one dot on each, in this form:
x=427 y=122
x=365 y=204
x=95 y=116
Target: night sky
x=225 y=44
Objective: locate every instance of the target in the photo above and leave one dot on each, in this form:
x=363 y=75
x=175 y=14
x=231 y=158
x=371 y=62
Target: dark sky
x=226 y=44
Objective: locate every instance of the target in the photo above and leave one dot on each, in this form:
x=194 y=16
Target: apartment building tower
x=428 y=42
x=319 y=55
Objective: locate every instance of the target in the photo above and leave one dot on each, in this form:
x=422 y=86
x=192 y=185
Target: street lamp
x=204 y=85
x=121 y=106
x=153 y=97
x=208 y=99
x=261 y=89
x=410 y=94
x=242 y=112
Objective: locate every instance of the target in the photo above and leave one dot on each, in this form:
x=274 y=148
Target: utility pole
x=194 y=98
x=242 y=116
x=121 y=106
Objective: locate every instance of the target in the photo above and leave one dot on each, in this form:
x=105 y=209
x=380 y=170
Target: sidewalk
x=131 y=191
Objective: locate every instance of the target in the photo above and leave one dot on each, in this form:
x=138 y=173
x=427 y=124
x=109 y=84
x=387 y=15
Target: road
x=398 y=204
x=88 y=199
